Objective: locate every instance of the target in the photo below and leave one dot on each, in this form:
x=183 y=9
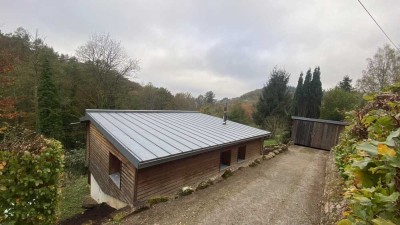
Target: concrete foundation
x=98 y=195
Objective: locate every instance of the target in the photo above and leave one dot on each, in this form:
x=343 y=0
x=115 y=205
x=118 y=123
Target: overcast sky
x=228 y=47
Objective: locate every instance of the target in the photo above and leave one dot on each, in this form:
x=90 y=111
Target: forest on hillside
x=45 y=91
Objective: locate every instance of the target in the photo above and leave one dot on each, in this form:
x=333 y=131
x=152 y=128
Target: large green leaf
x=361 y=163
x=386 y=121
x=367 y=120
x=392 y=135
x=363 y=200
x=391 y=198
x=381 y=221
x=345 y=222
x=368 y=147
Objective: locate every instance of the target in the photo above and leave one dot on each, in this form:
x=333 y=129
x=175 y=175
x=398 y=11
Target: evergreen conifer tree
x=275 y=98
x=298 y=97
x=50 y=122
x=345 y=84
x=316 y=94
x=307 y=95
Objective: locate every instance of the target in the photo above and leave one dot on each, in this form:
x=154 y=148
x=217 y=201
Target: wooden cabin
x=316 y=133
x=135 y=155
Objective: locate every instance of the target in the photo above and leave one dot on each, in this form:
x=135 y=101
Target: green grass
x=72 y=196
x=272 y=141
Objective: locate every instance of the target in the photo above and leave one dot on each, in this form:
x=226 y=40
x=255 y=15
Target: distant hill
x=253 y=96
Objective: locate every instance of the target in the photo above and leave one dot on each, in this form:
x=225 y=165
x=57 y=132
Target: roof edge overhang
x=84 y=119
x=154 y=162
x=140 y=111
x=143 y=164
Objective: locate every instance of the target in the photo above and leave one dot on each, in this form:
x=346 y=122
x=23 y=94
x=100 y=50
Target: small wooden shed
x=135 y=155
x=316 y=133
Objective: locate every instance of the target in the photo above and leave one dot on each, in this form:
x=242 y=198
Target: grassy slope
x=271 y=141
x=72 y=196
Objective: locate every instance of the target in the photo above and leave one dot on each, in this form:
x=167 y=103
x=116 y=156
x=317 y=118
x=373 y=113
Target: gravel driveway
x=284 y=190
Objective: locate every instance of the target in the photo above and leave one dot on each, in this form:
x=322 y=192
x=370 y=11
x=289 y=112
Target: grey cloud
x=225 y=46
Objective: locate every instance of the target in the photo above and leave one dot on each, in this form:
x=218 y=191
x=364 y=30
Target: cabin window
x=114 y=169
x=241 y=154
x=225 y=160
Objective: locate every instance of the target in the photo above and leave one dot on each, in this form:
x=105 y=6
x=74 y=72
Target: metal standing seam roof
x=152 y=137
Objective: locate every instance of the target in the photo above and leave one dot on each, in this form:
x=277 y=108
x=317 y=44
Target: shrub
x=30 y=173
x=368 y=157
x=75 y=162
x=285 y=137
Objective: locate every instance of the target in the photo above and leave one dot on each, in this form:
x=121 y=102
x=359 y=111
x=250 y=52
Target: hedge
x=368 y=157
x=30 y=174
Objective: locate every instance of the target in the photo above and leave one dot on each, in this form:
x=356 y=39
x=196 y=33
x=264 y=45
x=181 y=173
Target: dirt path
x=284 y=190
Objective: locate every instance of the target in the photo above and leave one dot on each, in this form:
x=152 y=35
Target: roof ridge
x=140 y=111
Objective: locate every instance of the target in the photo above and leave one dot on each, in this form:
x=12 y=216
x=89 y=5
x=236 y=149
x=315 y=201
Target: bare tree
x=382 y=70
x=109 y=64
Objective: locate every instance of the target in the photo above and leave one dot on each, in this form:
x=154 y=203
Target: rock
x=271 y=154
x=227 y=173
x=186 y=191
x=269 y=149
x=253 y=164
x=276 y=152
x=204 y=184
x=89 y=203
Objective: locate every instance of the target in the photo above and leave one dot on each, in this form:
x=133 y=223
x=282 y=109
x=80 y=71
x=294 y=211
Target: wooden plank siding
x=167 y=178
x=137 y=185
x=99 y=150
x=316 y=134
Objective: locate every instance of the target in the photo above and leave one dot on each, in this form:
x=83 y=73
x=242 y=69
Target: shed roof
x=152 y=137
x=320 y=120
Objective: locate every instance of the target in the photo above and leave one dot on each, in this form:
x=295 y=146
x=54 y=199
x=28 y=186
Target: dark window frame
x=241 y=153
x=114 y=169
x=225 y=159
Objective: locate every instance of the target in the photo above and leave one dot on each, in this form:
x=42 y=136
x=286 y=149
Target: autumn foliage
x=8 y=104
x=368 y=157
x=30 y=173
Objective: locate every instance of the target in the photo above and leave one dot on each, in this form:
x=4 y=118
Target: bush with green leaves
x=75 y=162
x=30 y=172
x=368 y=157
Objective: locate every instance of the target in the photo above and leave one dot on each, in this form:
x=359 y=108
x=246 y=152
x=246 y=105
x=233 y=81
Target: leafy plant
x=368 y=157
x=30 y=173
x=75 y=162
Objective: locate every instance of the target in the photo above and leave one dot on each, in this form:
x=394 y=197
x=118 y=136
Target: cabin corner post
x=134 y=202
x=87 y=127
x=262 y=146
